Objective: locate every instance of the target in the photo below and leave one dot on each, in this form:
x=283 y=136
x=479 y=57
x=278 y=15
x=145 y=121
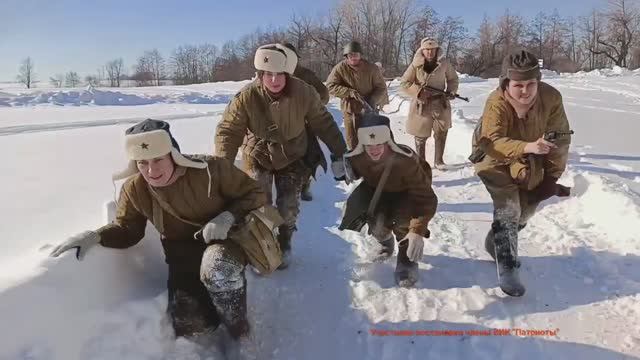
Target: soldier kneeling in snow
x=525 y=136
x=405 y=202
x=198 y=206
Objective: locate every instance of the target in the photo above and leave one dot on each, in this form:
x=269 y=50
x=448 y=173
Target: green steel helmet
x=352 y=47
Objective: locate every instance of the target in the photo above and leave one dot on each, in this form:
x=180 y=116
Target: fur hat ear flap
x=292 y=58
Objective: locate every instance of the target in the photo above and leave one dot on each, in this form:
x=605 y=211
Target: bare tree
x=511 y=31
x=623 y=24
x=56 y=80
x=100 y=74
x=451 y=34
x=26 y=74
x=329 y=39
x=156 y=65
x=208 y=54
x=298 y=32
x=92 y=80
x=537 y=33
x=72 y=79
x=114 y=71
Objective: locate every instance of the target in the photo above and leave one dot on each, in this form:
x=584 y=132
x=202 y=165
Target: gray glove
x=415 y=247
x=81 y=242
x=217 y=228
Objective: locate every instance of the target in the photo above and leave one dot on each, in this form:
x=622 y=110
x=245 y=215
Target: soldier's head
x=375 y=138
x=154 y=153
x=520 y=76
x=429 y=48
x=353 y=53
x=274 y=62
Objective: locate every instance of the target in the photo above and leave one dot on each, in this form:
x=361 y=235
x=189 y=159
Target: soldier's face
x=376 y=152
x=353 y=59
x=274 y=82
x=523 y=91
x=429 y=54
x=157 y=172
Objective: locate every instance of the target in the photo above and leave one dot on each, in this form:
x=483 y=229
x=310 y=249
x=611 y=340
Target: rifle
x=446 y=93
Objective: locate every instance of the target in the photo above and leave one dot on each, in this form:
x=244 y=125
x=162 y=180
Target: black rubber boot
x=506 y=250
x=406 y=274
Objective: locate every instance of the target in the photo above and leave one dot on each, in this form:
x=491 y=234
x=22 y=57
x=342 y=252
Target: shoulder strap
x=381 y=182
x=166 y=207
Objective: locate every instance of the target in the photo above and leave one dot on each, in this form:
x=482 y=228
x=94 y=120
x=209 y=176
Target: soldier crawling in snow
x=520 y=168
x=197 y=204
x=275 y=110
x=406 y=202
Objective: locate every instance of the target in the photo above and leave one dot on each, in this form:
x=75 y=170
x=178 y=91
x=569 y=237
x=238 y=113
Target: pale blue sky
x=81 y=35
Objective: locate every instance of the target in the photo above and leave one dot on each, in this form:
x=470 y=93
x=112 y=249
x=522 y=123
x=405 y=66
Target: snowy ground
x=581 y=255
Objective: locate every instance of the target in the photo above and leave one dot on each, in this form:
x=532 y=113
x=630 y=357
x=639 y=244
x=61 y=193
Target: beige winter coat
x=436 y=113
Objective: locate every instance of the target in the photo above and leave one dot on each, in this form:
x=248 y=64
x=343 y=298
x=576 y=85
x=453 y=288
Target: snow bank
x=549 y=74
x=464 y=78
x=93 y=96
x=599 y=73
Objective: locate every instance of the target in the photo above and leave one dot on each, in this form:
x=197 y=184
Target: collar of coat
x=521 y=110
x=286 y=91
x=363 y=63
x=419 y=60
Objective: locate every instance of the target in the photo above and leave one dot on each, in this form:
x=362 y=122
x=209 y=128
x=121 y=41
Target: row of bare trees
x=390 y=32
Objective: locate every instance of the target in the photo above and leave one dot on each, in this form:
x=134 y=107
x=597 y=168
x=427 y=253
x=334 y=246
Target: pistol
x=552 y=136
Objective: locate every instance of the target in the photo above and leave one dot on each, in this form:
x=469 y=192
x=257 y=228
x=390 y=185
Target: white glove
x=217 y=228
x=415 y=247
x=337 y=167
x=81 y=242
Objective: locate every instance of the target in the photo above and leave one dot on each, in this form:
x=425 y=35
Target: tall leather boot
x=406 y=273
x=306 y=194
x=506 y=251
x=232 y=308
x=421 y=144
x=440 y=142
x=285 y=233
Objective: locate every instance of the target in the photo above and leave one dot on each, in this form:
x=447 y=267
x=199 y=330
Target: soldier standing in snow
x=429 y=110
x=406 y=201
x=520 y=168
x=198 y=207
x=310 y=78
x=356 y=81
x=274 y=110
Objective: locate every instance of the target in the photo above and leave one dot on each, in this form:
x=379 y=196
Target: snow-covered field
x=581 y=255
